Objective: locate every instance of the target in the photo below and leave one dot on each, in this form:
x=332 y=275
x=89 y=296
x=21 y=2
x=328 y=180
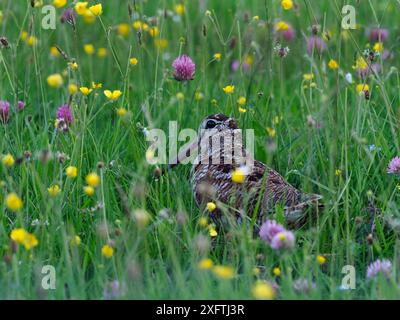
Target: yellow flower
x=88 y=190
x=154 y=32
x=81 y=7
x=112 y=95
x=93 y=179
x=256 y=18
x=13 y=202
x=73 y=65
x=287 y=4
x=122 y=112
x=338 y=172
x=332 y=64
x=203 y=222
x=137 y=24
x=59 y=3
x=54 y=52
x=242 y=110
x=8 y=160
x=123 y=29
x=142 y=217
x=276 y=271
x=378 y=47
x=361 y=64
x=217 y=56
x=308 y=76
x=281 y=26
x=211 y=206
x=25 y=238
x=248 y=59
x=89 y=49
x=198 y=96
x=179 y=9
x=54 y=190
x=263 y=291
x=213 y=232
x=180 y=96
x=224 y=272
x=89 y=17
x=97 y=9
x=55 y=80
x=32 y=41
x=241 y=101
x=321 y=259
x=271 y=132
x=133 y=61
x=362 y=87
x=72 y=172
x=238 y=175
x=256 y=271
x=107 y=251
x=102 y=52
x=97 y=85
x=205 y=264
x=76 y=241
x=161 y=43
x=229 y=89
x=72 y=88
x=85 y=90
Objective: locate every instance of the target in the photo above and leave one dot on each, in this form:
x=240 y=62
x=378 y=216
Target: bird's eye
x=210 y=124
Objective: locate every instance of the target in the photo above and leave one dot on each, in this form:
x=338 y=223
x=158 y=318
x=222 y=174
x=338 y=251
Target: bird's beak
x=185 y=153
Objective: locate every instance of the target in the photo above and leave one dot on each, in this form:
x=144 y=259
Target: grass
x=159 y=260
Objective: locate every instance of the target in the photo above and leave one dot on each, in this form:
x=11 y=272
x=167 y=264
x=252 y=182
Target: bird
x=219 y=154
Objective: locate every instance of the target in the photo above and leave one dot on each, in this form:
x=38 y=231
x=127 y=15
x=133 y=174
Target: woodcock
x=220 y=152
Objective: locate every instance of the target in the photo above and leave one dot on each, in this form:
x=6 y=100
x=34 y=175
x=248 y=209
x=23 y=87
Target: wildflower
x=205 y=264
x=8 y=160
x=285 y=30
x=76 y=241
x=102 y=52
x=332 y=64
x=54 y=52
x=242 y=110
x=256 y=18
x=269 y=229
x=21 y=236
x=263 y=291
x=211 y=206
x=81 y=7
x=21 y=105
x=203 y=222
x=217 y=56
x=282 y=52
x=315 y=44
x=239 y=175
x=283 y=240
x=271 y=132
x=73 y=65
x=378 y=47
x=137 y=25
x=13 y=202
x=55 y=80
x=378 y=34
x=161 y=43
x=112 y=95
x=85 y=90
x=92 y=179
x=213 y=232
x=308 y=76
x=68 y=16
x=89 y=191
x=121 y=112
x=96 y=85
x=179 y=9
x=287 y=4
x=89 y=49
x=379 y=266
x=142 y=218
x=54 y=190
x=133 y=61
x=107 y=251
x=72 y=88
x=184 y=68
x=321 y=259
x=96 y=10
x=349 y=78
x=229 y=89
x=59 y=3
x=276 y=271
x=72 y=172
x=123 y=29
x=32 y=41
x=394 y=165
x=224 y=272
x=241 y=101
x=64 y=113
x=362 y=87
x=338 y=172
x=198 y=96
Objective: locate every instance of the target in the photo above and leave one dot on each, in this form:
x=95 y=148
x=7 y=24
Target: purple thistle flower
x=394 y=165
x=4 y=111
x=64 y=113
x=283 y=240
x=315 y=43
x=302 y=285
x=378 y=34
x=68 y=16
x=384 y=266
x=269 y=229
x=184 y=68
x=21 y=105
